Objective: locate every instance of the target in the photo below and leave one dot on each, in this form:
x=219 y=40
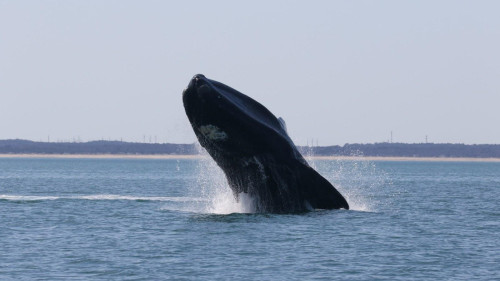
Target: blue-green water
x=119 y=219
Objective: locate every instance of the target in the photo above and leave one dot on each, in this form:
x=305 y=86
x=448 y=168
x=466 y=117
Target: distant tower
x=426 y=139
x=391 y=136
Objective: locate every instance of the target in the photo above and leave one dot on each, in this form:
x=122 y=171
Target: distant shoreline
x=402 y=151
x=198 y=156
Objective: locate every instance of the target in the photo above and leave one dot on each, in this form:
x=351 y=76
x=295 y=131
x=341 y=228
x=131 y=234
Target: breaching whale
x=254 y=150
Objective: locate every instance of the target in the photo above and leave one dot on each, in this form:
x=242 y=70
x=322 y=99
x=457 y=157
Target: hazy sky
x=336 y=71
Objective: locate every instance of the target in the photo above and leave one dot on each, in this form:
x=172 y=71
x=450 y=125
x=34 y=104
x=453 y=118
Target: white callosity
x=213 y=133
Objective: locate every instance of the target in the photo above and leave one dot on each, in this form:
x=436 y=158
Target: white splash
x=212 y=184
x=358 y=181
x=225 y=203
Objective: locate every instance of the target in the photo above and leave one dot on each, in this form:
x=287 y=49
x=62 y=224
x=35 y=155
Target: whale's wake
x=94 y=197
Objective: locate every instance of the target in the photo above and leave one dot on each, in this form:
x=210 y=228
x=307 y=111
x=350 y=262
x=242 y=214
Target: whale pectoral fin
x=319 y=192
x=283 y=124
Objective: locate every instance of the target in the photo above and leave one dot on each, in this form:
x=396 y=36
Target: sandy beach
x=171 y=156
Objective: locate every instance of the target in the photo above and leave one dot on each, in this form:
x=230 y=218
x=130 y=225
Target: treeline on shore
x=376 y=149
x=94 y=147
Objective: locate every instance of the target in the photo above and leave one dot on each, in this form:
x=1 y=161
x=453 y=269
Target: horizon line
x=194 y=143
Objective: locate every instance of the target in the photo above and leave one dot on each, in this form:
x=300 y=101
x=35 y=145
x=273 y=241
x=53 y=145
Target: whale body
x=254 y=150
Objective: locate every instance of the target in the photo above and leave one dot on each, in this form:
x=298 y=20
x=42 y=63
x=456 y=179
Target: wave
x=20 y=198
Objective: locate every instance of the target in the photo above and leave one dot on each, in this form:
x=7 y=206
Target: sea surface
x=168 y=219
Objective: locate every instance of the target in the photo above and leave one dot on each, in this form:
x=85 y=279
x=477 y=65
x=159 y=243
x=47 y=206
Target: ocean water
x=145 y=219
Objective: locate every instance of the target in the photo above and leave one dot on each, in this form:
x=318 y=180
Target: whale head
x=226 y=121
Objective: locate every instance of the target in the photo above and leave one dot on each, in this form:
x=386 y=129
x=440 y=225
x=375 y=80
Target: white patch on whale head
x=212 y=132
